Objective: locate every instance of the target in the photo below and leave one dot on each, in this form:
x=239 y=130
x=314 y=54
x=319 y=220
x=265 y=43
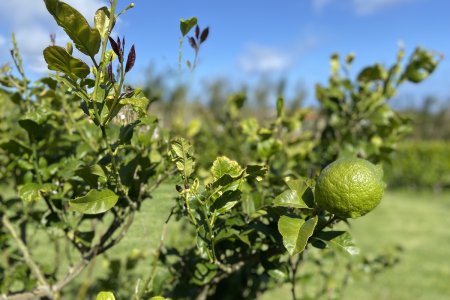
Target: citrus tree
x=80 y=152
x=79 y=155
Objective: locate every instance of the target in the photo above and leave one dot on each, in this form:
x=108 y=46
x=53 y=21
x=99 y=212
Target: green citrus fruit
x=349 y=187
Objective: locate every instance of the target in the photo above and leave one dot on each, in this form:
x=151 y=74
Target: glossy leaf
x=94 y=202
x=116 y=47
x=102 y=20
x=226 y=201
x=289 y=198
x=59 y=60
x=131 y=59
x=105 y=296
x=279 y=274
x=296 y=232
x=91 y=174
x=256 y=171
x=204 y=35
x=86 y=39
x=298 y=185
x=187 y=25
x=340 y=241
x=225 y=166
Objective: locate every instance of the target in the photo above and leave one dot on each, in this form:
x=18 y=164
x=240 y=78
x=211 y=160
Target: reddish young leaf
x=204 y=35
x=115 y=46
x=120 y=45
x=110 y=73
x=131 y=59
x=192 y=43
x=197 y=32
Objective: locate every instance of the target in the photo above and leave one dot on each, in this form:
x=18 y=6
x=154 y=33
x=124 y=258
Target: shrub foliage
x=80 y=151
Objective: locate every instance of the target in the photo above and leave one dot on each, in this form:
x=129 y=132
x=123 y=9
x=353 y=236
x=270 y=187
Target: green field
x=418 y=222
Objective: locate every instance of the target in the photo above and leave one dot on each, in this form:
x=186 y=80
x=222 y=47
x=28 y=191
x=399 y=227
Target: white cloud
x=319 y=5
x=359 y=7
x=258 y=58
x=366 y=7
x=32 y=24
x=29 y=12
x=31 y=42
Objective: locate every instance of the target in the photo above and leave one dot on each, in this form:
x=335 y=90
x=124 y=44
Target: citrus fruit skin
x=349 y=187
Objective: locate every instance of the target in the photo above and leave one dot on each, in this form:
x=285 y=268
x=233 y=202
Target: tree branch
x=26 y=254
x=33 y=295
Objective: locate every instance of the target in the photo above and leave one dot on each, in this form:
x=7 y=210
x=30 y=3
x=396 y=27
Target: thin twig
x=26 y=254
x=38 y=293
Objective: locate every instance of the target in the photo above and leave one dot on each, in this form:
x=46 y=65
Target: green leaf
x=280 y=106
x=30 y=192
x=269 y=147
x=226 y=201
x=278 y=274
x=289 y=198
x=421 y=65
x=340 y=241
x=204 y=273
x=68 y=83
x=295 y=233
x=256 y=171
x=139 y=104
x=158 y=298
x=94 y=202
x=84 y=237
x=59 y=60
x=102 y=21
x=32 y=121
x=225 y=166
x=91 y=174
x=105 y=296
x=183 y=157
x=86 y=39
x=298 y=185
x=235 y=103
x=127 y=131
x=376 y=72
x=187 y=25
x=335 y=65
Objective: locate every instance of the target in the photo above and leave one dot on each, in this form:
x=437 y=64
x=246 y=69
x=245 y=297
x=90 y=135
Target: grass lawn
x=419 y=222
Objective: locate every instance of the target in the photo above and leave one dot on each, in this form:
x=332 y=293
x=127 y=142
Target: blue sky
x=250 y=39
